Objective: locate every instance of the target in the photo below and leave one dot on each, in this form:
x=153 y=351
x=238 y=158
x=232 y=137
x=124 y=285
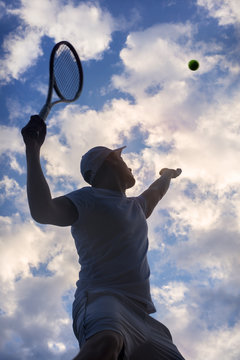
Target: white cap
x=93 y=160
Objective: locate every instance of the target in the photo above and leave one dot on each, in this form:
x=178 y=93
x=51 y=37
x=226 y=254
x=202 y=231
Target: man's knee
x=106 y=344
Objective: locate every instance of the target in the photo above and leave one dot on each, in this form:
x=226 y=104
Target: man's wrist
x=33 y=149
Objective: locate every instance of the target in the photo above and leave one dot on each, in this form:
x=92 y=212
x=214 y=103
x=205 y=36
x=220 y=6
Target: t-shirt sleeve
x=142 y=202
x=80 y=198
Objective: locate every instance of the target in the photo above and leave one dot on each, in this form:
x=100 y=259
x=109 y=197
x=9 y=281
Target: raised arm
x=45 y=210
x=158 y=189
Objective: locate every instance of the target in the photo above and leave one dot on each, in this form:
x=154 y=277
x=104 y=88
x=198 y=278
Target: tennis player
x=112 y=303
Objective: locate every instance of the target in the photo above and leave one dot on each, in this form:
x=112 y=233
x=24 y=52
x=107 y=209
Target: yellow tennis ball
x=193 y=65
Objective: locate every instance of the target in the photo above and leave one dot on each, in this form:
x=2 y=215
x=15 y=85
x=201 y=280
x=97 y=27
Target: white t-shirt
x=111 y=237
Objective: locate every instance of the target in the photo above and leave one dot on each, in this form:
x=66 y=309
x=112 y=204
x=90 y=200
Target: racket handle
x=44 y=111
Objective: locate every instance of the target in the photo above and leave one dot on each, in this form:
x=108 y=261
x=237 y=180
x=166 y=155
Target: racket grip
x=44 y=111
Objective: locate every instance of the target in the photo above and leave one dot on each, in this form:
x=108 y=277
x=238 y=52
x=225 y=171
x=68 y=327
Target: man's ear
x=87 y=176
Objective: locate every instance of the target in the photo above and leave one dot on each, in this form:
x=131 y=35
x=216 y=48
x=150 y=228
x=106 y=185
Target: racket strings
x=66 y=73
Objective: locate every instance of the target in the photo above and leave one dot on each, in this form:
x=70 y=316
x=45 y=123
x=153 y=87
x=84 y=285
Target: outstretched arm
x=59 y=211
x=158 y=189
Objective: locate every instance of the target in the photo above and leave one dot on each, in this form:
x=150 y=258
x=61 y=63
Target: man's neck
x=114 y=186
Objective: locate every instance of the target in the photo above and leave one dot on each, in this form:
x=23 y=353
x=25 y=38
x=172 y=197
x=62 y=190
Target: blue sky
x=138 y=92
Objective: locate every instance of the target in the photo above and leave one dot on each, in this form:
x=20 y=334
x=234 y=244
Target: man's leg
x=105 y=345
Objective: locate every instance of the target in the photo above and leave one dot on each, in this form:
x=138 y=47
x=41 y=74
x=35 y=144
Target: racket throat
x=45 y=111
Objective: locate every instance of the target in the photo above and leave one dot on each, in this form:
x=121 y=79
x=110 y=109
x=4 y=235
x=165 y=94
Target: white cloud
x=25 y=245
x=194 y=313
x=220 y=343
x=21 y=50
x=38 y=273
x=210 y=153
x=13 y=146
x=56 y=346
x=22 y=245
x=226 y=11
x=39 y=306
x=85 y=25
x=9 y=187
x=170 y=294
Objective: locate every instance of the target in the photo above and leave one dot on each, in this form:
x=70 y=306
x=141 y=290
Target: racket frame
x=52 y=82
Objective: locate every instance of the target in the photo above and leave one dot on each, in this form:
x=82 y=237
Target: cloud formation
x=86 y=26
x=38 y=270
x=227 y=12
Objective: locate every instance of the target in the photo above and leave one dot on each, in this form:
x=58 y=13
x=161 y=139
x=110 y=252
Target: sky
x=139 y=92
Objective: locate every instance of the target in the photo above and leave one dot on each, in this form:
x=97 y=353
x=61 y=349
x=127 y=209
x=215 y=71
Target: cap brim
x=119 y=150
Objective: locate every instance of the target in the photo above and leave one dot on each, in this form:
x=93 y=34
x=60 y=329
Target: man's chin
x=131 y=182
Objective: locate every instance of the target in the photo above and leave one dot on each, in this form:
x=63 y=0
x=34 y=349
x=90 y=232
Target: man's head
x=101 y=165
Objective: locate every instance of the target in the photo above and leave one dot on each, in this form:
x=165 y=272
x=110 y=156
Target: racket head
x=65 y=76
x=66 y=72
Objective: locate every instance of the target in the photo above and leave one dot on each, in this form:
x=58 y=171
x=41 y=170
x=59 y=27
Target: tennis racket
x=65 y=76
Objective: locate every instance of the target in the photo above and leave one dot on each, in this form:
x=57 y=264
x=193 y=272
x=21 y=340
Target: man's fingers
x=36 y=119
x=179 y=171
x=34 y=130
x=174 y=173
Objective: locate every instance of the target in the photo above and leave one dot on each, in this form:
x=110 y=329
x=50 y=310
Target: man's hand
x=172 y=173
x=34 y=132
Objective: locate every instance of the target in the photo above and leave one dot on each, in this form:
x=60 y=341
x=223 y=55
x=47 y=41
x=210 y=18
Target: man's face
x=124 y=172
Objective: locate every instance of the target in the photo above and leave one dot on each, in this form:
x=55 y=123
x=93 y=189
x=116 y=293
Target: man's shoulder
x=85 y=189
x=81 y=194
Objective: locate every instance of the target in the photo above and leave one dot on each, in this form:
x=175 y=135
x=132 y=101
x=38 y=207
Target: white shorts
x=98 y=311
